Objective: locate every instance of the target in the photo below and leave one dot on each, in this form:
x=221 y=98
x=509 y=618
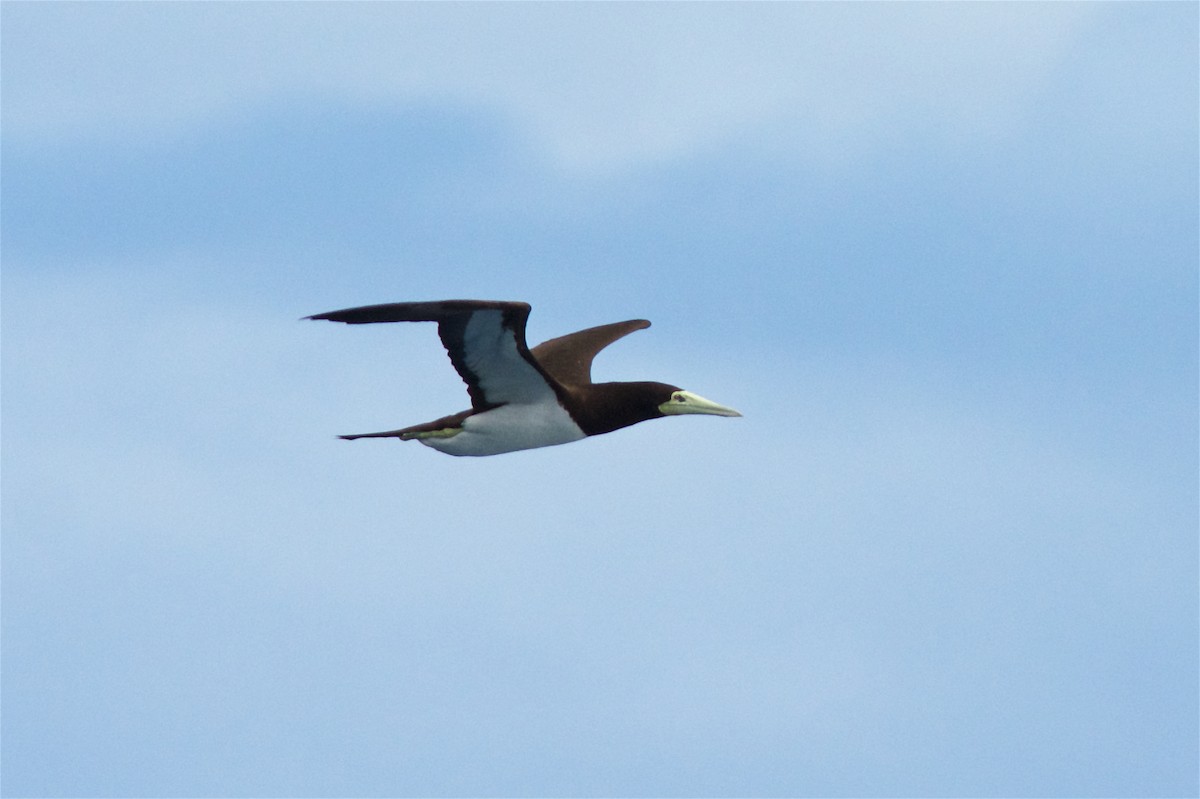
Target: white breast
x=509 y=428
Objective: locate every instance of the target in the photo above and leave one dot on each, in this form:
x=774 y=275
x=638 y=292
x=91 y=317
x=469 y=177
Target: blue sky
x=942 y=257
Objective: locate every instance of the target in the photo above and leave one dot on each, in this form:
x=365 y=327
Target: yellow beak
x=682 y=402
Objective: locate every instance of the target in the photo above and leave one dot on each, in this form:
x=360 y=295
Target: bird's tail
x=386 y=434
x=439 y=428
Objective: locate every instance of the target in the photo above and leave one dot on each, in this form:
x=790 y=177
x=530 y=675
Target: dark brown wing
x=568 y=358
x=485 y=341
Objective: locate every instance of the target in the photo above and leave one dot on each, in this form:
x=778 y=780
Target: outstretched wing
x=569 y=358
x=485 y=341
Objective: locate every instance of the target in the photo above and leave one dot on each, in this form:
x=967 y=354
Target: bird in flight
x=523 y=398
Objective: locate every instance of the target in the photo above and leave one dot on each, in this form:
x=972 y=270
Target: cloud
x=600 y=87
x=954 y=532
x=866 y=557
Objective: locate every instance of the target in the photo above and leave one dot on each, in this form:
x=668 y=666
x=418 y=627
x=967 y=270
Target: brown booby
x=523 y=398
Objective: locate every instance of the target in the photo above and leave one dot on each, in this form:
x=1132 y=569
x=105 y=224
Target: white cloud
x=725 y=587
x=599 y=85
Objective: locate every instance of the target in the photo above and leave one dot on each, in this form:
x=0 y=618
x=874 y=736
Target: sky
x=943 y=257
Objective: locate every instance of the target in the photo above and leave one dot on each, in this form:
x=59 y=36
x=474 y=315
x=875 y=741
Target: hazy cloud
x=599 y=86
x=942 y=256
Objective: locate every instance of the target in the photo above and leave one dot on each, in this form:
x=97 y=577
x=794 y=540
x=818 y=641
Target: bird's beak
x=686 y=402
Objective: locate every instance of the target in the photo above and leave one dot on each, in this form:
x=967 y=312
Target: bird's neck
x=604 y=407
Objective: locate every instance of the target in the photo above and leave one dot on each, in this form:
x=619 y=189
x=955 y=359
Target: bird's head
x=604 y=407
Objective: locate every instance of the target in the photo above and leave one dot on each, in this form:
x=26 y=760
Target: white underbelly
x=509 y=428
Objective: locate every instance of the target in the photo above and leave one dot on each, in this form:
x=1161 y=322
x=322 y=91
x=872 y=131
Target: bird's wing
x=569 y=358
x=485 y=341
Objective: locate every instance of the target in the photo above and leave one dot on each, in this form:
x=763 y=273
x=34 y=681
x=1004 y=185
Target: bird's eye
x=680 y=398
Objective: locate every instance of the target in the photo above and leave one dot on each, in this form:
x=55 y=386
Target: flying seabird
x=522 y=398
